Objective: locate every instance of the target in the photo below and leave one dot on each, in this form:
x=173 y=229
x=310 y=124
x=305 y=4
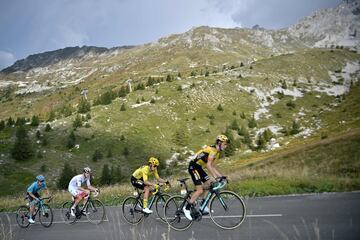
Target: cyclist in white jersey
x=79 y=192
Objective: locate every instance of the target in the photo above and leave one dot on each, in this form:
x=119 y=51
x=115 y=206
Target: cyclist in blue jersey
x=33 y=194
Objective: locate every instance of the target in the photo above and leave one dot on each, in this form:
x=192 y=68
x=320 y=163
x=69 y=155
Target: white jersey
x=78 y=180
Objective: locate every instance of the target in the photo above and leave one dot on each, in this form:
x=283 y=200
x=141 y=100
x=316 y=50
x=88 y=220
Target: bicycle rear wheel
x=174 y=214
x=160 y=204
x=46 y=216
x=227 y=210
x=95 y=211
x=132 y=210
x=66 y=213
x=22 y=215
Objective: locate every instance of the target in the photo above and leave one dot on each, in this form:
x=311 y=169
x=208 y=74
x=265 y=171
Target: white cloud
x=6 y=59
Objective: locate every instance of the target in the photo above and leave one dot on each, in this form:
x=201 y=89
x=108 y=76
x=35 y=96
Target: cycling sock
x=145 y=203
x=188 y=206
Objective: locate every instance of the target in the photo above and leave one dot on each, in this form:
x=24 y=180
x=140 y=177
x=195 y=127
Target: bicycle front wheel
x=46 y=216
x=95 y=211
x=132 y=210
x=227 y=210
x=174 y=215
x=22 y=216
x=160 y=204
x=66 y=214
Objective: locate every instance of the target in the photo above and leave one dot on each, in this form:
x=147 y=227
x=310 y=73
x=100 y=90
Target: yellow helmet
x=154 y=161
x=222 y=138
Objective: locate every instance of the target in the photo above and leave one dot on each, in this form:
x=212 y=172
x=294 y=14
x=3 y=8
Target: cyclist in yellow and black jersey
x=139 y=179
x=204 y=158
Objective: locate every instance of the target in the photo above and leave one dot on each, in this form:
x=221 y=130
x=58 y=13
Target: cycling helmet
x=154 y=161
x=87 y=170
x=40 y=178
x=222 y=138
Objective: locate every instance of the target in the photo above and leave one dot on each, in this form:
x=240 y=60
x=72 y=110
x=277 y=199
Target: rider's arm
x=47 y=192
x=145 y=177
x=210 y=166
x=89 y=186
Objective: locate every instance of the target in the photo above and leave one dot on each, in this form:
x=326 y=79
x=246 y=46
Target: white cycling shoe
x=72 y=212
x=147 y=210
x=31 y=221
x=187 y=213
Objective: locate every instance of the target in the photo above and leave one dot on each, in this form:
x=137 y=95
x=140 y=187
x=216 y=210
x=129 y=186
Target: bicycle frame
x=153 y=198
x=38 y=206
x=212 y=191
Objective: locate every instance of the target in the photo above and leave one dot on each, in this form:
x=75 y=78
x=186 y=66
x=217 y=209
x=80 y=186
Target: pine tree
x=47 y=128
x=22 y=149
x=229 y=151
x=35 y=121
x=10 y=122
x=234 y=125
x=126 y=151
x=105 y=176
x=123 y=107
x=71 y=140
x=84 y=106
x=2 y=125
x=97 y=155
x=77 y=122
x=20 y=121
x=220 y=108
x=65 y=176
x=252 y=122
x=295 y=128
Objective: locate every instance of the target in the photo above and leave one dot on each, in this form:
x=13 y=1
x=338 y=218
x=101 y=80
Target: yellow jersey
x=202 y=156
x=144 y=172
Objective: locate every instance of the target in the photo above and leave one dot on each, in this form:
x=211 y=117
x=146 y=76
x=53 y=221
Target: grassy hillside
x=185 y=112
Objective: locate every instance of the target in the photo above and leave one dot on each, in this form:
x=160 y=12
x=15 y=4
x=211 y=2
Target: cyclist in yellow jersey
x=139 y=179
x=204 y=158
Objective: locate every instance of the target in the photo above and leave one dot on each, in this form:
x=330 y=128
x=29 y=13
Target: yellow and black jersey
x=202 y=156
x=144 y=172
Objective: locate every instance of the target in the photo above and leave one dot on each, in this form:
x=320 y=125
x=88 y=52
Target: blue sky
x=35 y=26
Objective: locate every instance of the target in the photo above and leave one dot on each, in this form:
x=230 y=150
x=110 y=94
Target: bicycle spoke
x=95 y=211
x=227 y=210
x=160 y=204
x=46 y=215
x=65 y=213
x=174 y=215
x=132 y=210
x=22 y=216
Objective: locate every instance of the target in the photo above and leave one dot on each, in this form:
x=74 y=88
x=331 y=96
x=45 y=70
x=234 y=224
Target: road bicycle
x=93 y=209
x=132 y=207
x=44 y=210
x=226 y=209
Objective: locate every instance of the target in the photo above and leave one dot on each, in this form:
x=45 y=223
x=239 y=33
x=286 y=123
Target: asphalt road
x=318 y=216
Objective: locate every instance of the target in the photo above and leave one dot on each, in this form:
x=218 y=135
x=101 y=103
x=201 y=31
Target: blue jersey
x=34 y=187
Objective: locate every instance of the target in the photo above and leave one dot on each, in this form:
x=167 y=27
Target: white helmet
x=87 y=170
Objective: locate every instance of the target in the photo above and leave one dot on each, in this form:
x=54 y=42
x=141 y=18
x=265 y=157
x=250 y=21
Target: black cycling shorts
x=30 y=197
x=138 y=183
x=197 y=173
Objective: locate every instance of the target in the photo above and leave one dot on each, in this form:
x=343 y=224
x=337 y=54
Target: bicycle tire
x=160 y=204
x=22 y=214
x=46 y=213
x=227 y=210
x=66 y=214
x=132 y=210
x=95 y=211
x=174 y=214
